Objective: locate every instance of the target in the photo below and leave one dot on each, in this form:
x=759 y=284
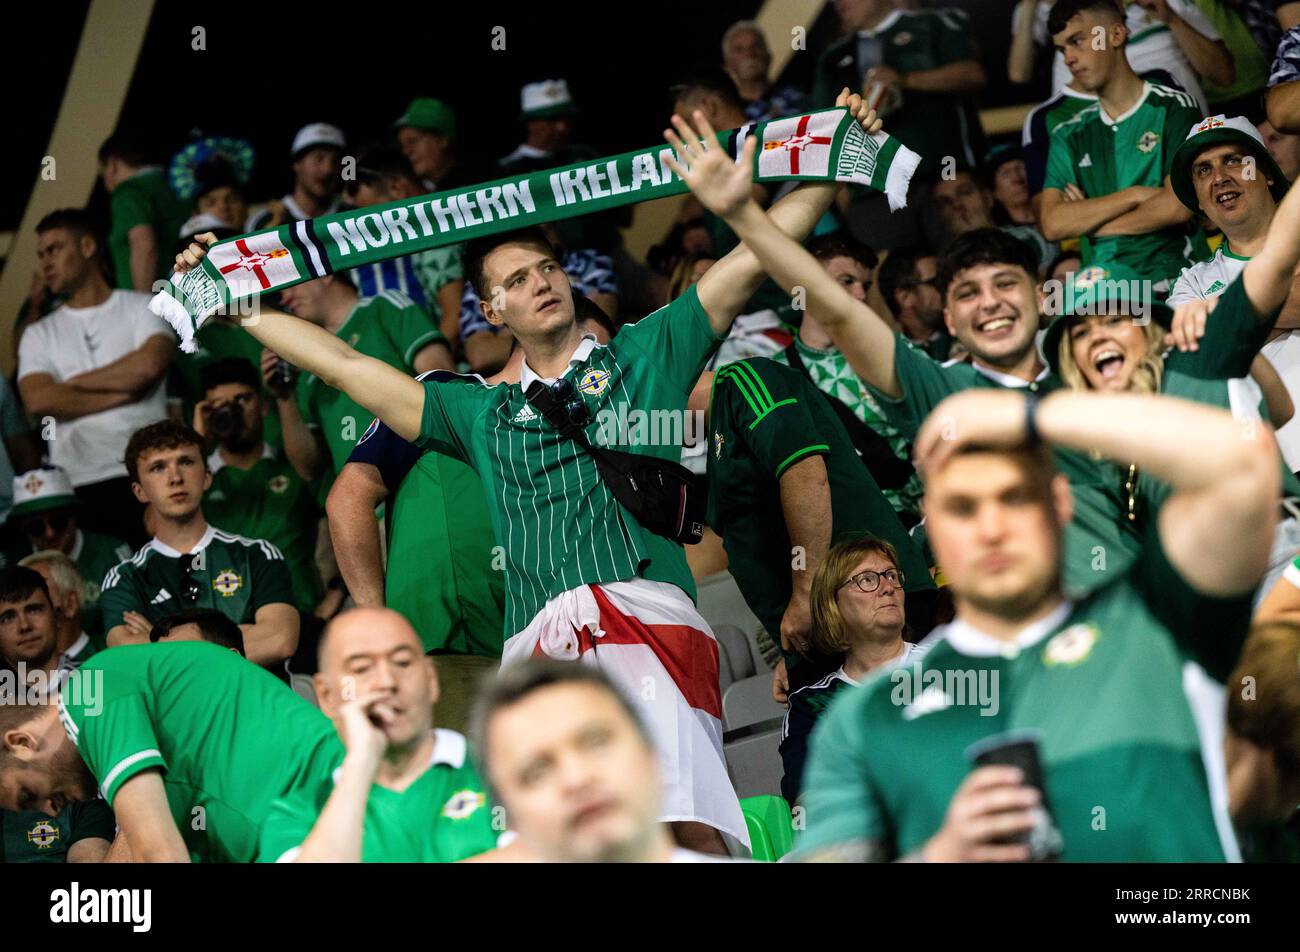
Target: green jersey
x=95 y=554
x=434 y=269
x=442 y=817
x=1124 y=690
x=830 y=371
x=269 y=501
x=227 y=737
x=765 y=418
x=35 y=838
x=389 y=327
x=558 y=522
x=143 y=199
x=233 y=575
x=1101 y=155
x=1099 y=542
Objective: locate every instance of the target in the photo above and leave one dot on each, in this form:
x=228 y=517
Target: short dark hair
x=585 y=309
x=898 y=270
x=840 y=245
x=708 y=81
x=76 y=220
x=163 y=435
x=229 y=370
x=1063 y=11
x=215 y=628
x=515 y=683
x=130 y=147
x=381 y=163
x=18 y=582
x=477 y=250
x=984 y=246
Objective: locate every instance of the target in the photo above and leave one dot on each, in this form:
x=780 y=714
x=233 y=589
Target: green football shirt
x=1101 y=155
x=226 y=735
x=235 y=576
x=144 y=199
x=443 y=817
x=269 y=501
x=1124 y=689
x=95 y=554
x=389 y=327
x=764 y=418
x=36 y=838
x=558 y=523
x=830 y=371
x=1099 y=543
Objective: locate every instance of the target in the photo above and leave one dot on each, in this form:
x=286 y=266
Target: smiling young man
x=988 y=281
x=190 y=564
x=1107 y=167
x=583 y=575
x=1122 y=689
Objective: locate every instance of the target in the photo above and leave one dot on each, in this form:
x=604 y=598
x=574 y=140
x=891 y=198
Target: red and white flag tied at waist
x=829 y=145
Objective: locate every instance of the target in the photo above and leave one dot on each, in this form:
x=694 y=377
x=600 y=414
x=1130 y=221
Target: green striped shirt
x=557 y=523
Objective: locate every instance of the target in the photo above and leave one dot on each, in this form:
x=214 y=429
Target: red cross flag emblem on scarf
x=799 y=141
x=254 y=261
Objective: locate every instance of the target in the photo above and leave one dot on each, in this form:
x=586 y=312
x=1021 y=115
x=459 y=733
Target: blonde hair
x=681 y=276
x=63 y=572
x=1145 y=379
x=830 y=632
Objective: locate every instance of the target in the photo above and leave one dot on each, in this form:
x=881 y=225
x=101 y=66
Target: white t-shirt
x=71 y=341
x=1209 y=279
x=1151 y=45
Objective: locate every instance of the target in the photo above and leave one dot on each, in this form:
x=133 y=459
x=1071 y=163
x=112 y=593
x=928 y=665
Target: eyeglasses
x=54 y=522
x=574 y=406
x=192 y=586
x=867 y=582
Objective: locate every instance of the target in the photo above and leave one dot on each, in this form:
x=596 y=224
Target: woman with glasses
x=858 y=614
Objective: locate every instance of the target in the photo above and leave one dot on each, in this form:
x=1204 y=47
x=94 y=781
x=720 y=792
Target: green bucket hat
x=1101 y=289
x=1220 y=130
x=429 y=114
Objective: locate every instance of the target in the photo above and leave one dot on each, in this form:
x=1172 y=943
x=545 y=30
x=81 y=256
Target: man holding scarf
x=585 y=580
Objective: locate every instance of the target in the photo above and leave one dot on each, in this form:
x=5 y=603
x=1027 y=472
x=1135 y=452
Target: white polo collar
x=883 y=25
x=580 y=353
x=449 y=748
x=216 y=463
x=1107 y=120
x=1009 y=380
x=164 y=549
x=969 y=640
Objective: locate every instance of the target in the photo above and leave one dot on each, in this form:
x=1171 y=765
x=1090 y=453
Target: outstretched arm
x=863 y=336
x=1268 y=276
x=1217 y=526
x=731 y=282
x=385 y=391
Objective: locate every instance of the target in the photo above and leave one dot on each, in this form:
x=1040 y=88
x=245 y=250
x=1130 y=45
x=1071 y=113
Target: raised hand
x=196 y=252
x=994 y=418
x=723 y=186
x=1188 y=326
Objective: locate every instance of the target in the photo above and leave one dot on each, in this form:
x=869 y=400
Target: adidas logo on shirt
x=161 y=597
x=525 y=414
x=1086 y=161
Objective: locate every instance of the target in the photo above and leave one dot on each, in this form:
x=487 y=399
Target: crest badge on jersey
x=1148 y=142
x=717 y=446
x=278 y=484
x=1071 y=646
x=594 y=382
x=227 y=582
x=462 y=804
x=43 y=835
x=903 y=38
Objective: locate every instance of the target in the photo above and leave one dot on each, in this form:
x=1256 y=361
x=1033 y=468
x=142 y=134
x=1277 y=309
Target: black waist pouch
x=664 y=497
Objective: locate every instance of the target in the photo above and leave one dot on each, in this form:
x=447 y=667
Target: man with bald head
x=406 y=791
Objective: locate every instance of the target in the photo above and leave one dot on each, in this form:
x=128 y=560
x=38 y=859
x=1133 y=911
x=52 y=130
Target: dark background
x=270 y=68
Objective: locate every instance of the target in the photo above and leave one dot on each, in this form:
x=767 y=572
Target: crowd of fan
x=227 y=496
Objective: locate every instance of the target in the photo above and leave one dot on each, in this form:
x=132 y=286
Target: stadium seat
x=720 y=603
x=302 y=686
x=735 y=656
x=749 y=701
x=771 y=834
x=754 y=759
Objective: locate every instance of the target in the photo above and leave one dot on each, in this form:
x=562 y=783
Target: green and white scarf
x=829 y=145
